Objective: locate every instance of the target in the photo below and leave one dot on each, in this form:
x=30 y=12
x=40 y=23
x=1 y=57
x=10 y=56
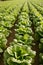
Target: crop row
x=7 y=20
x=20 y=52
x=39 y=8
x=37 y=21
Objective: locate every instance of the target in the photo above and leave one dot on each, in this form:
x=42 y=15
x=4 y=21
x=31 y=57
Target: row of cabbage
x=39 y=8
x=19 y=52
x=37 y=20
x=40 y=3
x=8 y=15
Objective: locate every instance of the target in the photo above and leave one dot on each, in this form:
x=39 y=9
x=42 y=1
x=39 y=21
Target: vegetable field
x=21 y=32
